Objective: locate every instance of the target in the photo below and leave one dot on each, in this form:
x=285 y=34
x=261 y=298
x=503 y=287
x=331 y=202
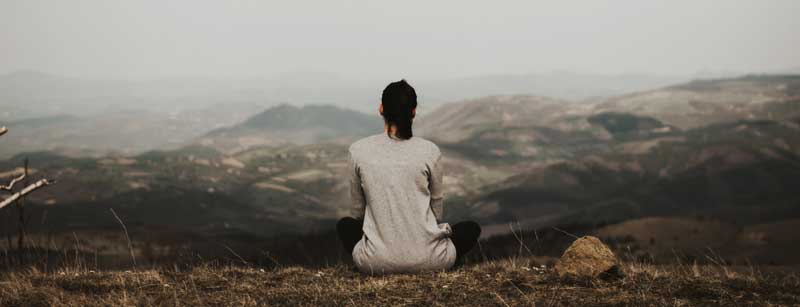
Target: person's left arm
x=436 y=188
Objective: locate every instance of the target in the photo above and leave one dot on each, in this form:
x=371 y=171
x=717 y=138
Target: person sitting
x=396 y=187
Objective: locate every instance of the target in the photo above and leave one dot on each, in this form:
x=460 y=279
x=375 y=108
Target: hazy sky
x=430 y=39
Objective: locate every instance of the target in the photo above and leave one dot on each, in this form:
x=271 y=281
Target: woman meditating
x=396 y=189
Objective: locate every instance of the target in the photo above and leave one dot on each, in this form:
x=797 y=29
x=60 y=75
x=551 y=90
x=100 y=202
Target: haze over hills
x=560 y=85
x=184 y=108
x=715 y=150
x=126 y=132
x=26 y=94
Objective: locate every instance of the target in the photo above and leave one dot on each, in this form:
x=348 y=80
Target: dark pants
x=464 y=236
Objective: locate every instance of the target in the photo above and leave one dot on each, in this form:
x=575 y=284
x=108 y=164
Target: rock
x=587 y=257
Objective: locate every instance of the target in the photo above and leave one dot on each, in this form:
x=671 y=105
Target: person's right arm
x=358 y=201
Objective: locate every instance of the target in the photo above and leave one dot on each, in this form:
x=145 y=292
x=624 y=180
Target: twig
x=521 y=243
x=564 y=232
x=125 y=229
x=25 y=191
x=13 y=181
x=235 y=254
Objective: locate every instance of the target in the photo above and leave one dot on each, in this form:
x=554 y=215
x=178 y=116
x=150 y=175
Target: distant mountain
x=456 y=121
x=288 y=117
x=522 y=126
x=704 y=102
x=694 y=104
x=563 y=85
x=287 y=124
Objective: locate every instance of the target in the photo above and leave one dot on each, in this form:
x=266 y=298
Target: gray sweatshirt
x=396 y=187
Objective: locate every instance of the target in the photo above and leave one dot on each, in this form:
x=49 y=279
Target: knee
x=474 y=228
x=346 y=223
x=470 y=227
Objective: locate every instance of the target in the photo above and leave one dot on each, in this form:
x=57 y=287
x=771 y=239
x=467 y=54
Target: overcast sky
x=426 y=39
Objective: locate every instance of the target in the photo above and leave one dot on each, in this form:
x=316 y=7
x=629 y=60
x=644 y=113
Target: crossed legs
x=464 y=236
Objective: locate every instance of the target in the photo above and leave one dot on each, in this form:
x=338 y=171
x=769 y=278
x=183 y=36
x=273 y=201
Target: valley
x=705 y=164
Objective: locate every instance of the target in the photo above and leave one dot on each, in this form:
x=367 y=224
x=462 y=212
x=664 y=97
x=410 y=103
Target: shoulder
x=359 y=144
x=429 y=147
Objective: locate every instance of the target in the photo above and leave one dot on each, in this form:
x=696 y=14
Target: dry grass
x=515 y=282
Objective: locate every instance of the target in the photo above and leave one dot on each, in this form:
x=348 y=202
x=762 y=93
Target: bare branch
x=13 y=181
x=3 y=130
x=25 y=191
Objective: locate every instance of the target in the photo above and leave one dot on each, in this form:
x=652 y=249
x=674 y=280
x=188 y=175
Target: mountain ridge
x=285 y=124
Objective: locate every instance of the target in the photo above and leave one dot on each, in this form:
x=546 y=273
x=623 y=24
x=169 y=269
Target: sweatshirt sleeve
x=436 y=188
x=358 y=201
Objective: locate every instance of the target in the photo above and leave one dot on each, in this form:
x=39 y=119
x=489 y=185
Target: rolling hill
x=454 y=122
x=705 y=102
x=287 y=124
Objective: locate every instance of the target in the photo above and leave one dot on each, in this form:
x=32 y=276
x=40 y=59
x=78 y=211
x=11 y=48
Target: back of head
x=399 y=101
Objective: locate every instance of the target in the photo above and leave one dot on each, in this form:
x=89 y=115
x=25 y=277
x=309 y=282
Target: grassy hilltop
x=515 y=282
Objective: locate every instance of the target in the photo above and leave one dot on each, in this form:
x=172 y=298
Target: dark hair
x=398 y=100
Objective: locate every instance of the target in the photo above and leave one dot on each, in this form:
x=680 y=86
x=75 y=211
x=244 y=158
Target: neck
x=392 y=129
